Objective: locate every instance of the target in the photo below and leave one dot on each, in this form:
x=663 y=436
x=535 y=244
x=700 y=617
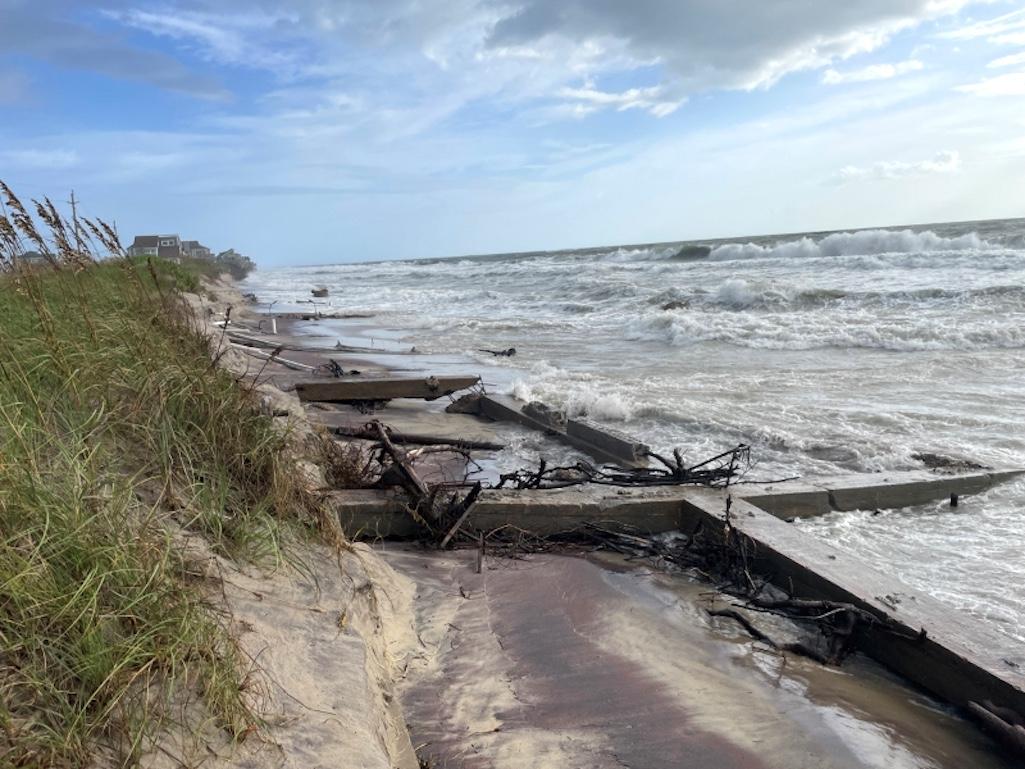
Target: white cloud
x=1011 y=84
x=1008 y=61
x=226 y=38
x=54 y=32
x=41 y=159
x=872 y=72
x=705 y=46
x=649 y=99
x=1008 y=29
x=945 y=162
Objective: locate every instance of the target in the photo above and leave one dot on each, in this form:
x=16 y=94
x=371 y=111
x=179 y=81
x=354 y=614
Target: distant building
x=144 y=245
x=165 y=246
x=196 y=250
x=34 y=257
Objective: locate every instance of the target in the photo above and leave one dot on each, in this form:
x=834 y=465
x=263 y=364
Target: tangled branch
x=718 y=471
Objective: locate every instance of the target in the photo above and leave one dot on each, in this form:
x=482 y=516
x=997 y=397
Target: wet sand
x=557 y=661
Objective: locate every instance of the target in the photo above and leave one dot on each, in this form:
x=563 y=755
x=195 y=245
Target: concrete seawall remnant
x=941 y=650
x=598 y=441
x=383 y=388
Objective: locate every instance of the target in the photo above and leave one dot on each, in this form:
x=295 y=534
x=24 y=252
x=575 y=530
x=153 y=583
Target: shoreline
x=535 y=739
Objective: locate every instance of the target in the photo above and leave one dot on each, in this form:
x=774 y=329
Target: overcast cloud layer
x=322 y=131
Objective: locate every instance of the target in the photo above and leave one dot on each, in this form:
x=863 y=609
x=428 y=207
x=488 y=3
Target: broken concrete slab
x=602 y=443
x=407 y=416
x=806 y=499
x=955 y=658
x=383 y=388
x=943 y=651
x=608 y=441
x=655 y=510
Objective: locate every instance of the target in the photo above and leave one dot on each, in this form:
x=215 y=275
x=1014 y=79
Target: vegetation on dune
x=117 y=436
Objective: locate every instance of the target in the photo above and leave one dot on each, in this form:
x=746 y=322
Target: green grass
x=112 y=421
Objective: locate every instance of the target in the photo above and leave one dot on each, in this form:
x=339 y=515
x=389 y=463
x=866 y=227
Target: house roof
x=145 y=241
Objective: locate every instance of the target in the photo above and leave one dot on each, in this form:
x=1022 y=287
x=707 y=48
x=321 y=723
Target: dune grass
x=117 y=433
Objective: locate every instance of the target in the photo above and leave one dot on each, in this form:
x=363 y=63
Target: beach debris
x=508 y=353
x=274 y=355
x=720 y=470
x=461 y=512
x=384 y=388
x=334 y=368
x=947 y=464
x=434 y=507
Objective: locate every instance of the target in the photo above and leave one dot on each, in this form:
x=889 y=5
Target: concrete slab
x=598 y=441
x=409 y=417
x=804 y=499
x=655 y=510
x=606 y=440
x=958 y=660
x=363 y=388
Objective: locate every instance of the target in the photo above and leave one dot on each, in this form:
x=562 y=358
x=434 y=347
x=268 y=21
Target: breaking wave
x=577 y=399
x=819 y=330
x=741 y=294
x=861 y=243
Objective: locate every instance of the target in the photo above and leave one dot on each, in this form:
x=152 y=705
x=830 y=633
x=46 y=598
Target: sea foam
x=861 y=243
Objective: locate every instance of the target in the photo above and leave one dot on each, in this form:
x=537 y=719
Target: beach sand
x=556 y=661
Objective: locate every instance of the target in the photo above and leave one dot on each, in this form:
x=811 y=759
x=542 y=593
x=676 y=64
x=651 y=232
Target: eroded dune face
x=562 y=662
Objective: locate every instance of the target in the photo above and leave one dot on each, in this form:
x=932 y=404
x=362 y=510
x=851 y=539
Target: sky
x=325 y=131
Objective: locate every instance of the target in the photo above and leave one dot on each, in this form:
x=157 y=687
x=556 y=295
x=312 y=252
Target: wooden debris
x=719 y=470
x=401 y=471
x=501 y=353
x=430 y=506
x=463 y=511
x=294 y=365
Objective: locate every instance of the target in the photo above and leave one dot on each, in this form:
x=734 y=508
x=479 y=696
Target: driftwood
x=400 y=470
x=335 y=369
x=720 y=470
x=501 y=353
x=462 y=511
x=365 y=433
x=294 y=365
x=430 y=506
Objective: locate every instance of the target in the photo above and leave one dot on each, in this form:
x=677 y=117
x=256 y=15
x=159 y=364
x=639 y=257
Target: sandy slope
x=324 y=635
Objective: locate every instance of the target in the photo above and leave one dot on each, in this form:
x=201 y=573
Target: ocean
x=829 y=353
